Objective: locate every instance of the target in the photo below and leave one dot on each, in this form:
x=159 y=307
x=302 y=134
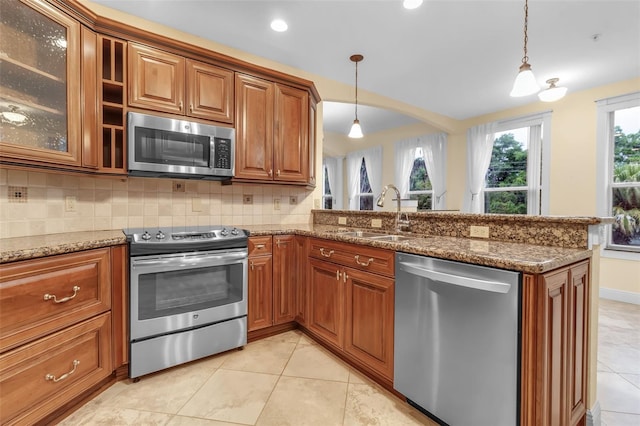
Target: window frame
x=542 y=199
x=325 y=197
x=360 y=195
x=422 y=191
x=605 y=153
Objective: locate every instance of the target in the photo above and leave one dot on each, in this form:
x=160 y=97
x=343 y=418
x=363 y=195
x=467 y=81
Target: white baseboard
x=593 y=415
x=620 y=295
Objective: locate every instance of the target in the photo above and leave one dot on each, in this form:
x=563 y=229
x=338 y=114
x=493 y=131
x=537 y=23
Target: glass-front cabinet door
x=39 y=83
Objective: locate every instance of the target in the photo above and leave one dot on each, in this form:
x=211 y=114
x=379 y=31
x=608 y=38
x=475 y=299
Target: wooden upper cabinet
x=209 y=92
x=40 y=82
x=254 y=128
x=156 y=79
x=272 y=131
x=291 y=141
x=166 y=82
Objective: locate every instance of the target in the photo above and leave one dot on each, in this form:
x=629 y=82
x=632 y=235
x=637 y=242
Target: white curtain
x=405 y=155
x=434 y=149
x=354 y=159
x=479 y=147
x=373 y=160
x=331 y=165
x=534 y=158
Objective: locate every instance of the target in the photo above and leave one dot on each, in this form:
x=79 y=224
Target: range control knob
x=146 y=236
x=224 y=232
x=234 y=231
x=160 y=235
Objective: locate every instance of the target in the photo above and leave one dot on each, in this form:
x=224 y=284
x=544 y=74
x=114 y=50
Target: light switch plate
x=479 y=231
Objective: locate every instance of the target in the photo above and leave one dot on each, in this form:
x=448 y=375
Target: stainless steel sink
x=362 y=234
x=394 y=238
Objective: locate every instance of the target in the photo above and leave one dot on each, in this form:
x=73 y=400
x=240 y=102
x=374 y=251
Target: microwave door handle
x=213 y=259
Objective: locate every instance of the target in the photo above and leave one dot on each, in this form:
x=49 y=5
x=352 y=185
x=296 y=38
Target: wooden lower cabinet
x=63 y=331
x=554 y=374
x=302 y=285
x=272 y=281
x=353 y=310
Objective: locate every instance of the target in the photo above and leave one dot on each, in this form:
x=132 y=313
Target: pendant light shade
x=356 y=130
x=525 y=83
x=552 y=93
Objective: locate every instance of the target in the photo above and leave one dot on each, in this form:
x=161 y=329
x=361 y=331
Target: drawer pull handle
x=259 y=246
x=49 y=377
x=326 y=254
x=64 y=299
x=367 y=263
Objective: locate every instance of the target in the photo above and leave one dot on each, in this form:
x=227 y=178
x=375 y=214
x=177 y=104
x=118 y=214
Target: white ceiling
x=453 y=57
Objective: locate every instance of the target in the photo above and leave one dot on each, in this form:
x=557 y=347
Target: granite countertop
x=527 y=258
x=22 y=248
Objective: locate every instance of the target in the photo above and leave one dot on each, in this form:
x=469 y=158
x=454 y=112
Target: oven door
x=175 y=292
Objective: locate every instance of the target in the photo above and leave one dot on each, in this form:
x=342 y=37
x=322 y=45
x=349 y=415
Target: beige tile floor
x=281 y=380
x=619 y=363
x=290 y=380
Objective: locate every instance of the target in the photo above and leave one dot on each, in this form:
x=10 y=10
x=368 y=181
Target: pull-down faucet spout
x=401 y=225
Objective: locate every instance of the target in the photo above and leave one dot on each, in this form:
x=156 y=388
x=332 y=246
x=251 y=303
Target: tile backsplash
x=58 y=203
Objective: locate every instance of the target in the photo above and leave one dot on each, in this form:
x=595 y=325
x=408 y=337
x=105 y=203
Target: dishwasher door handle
x=475 y=283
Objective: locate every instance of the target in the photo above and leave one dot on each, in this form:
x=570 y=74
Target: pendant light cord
x=356 y=90
x=525 y=58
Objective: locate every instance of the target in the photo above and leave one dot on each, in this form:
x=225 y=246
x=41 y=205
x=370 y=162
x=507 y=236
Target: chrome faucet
x=401 y=224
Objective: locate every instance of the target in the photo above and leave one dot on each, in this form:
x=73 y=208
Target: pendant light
x=525 y=83
x=553 y=92
x=356 y=130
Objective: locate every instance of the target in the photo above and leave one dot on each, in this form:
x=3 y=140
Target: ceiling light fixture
x=279 y=25
x=525 y=83
x=411 y=4
x=356 y=130
x=552 y=93
x=13 y=116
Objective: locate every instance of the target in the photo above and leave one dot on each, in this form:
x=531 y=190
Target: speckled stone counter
x=22 y=248
x=521 y=257
x=517 y=256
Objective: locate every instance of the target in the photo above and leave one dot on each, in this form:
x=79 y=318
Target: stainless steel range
x=188 y=294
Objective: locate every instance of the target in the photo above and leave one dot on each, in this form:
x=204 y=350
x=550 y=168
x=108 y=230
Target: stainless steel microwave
x=167 y=147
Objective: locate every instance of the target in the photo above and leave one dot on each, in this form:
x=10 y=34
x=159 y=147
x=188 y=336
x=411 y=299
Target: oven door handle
x=205 y=259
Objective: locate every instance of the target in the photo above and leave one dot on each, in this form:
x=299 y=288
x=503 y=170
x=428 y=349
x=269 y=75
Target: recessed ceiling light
x=279 y=25
x=411 y=4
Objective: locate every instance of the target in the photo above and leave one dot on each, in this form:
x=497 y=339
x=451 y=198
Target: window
x=420 y=170
x=619 y=156
x=506 y=180
x=509 y=163
x=365 y=195
x=364 y=177
x=327 y=197
x=419 y=183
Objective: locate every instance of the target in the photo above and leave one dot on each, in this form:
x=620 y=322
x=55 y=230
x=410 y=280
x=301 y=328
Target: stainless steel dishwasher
x=457 y=340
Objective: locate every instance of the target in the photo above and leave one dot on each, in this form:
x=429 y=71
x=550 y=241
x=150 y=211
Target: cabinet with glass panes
x=39 y=84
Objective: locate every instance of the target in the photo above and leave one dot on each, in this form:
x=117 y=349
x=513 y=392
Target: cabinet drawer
x=40 y=296
x=39 y=377
x=260 y=245
x=355 y=256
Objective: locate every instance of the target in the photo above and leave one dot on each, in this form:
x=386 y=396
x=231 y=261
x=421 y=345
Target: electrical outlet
x=70 y=203
x=276 y=203
x=376 y=223
x=293 y=199
x=479 y=231
x=247 y=199
x=179 y=186
x=17 y=194
x=342 y=220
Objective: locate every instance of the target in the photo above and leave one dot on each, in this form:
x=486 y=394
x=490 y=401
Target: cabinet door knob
x=51 y=377
x=270 y=172
x=180 y=105
x=322 y=252
x=64 y=299
x=345 y=277
x=337 y=275
x=278 y=172
x=252 y=266
x=190 y=107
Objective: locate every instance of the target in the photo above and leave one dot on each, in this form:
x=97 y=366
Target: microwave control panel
x=222 y=153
